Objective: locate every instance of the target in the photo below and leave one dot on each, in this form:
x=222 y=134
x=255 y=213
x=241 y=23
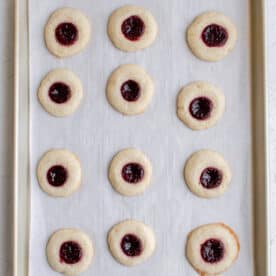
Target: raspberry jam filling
x=130 y=91
x=131 y=245
x=201 y=108
x=133 y=28
x=70 y=252
x=57 y=176
x=211 y=178
x=133 y=173
x=59 y=92
x=214 y=35
x=66 y=33
x=212 y=251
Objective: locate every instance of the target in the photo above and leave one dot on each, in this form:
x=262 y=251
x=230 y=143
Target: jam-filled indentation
x=211 y=178
x=59 y=92
x=133 y=28
x=131 y=245
x=200 y=108
x=214 y=35
x=133 y=173
x=70 y=252
x=66 y=33
x=130 y=90
x=212 y=251
x=57 y=176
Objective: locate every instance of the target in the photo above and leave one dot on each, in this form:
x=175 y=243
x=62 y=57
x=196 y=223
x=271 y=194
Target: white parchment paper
x=96 y=132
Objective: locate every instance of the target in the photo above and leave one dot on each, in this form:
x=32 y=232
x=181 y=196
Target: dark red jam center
x=59 y=92
x=57 y=176
x=211 y=178
x=212 y=251
x=133 y=173
x=201 y=108
x=131 y=245
x=214 y=35
x=66 y=33
x=130 y=90
x=70 y=252
x=133 y=28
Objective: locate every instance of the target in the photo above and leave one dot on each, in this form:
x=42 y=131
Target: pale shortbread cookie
x=132 y=28
x=59 y=173
x=205 y=274
x=67 y=32
x=130 y=89
x=200 y=105
x=212 y=248
x=131 y=242
x=207 y=174
x=69 y=251
x=220 y=32
x=60 y=92
x=130 y=172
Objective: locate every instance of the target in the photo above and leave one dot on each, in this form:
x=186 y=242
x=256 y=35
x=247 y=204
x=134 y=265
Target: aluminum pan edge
x=21 y=189
x=260 y=142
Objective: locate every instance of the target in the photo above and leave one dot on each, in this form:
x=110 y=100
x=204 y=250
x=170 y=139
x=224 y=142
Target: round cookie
x=67 y=32
x=130 y=172
x=129 y=89
x=207 y=174
x=200 y=105
x=204 y=274
x=132 y=28
x=60 y=92
x=131 y=242
x=69 y=251
x=212 y=248
x=59 y=173
x=211 y=36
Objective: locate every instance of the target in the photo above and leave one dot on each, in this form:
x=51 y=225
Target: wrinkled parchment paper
x=96 y=132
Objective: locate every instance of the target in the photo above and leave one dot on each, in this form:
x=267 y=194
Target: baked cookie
x=67 y=32
x=130 y=89
x=207 y=174
x=204 y=274
x=131 y=242
x=69 y=251
x=132 y=28
x=212 y=248
x=130 y=172
x=211 y=36
x=59 y=173
x=200 y=105
x=60 y=92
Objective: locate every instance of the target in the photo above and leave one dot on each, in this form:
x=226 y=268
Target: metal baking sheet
x=167 y=205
